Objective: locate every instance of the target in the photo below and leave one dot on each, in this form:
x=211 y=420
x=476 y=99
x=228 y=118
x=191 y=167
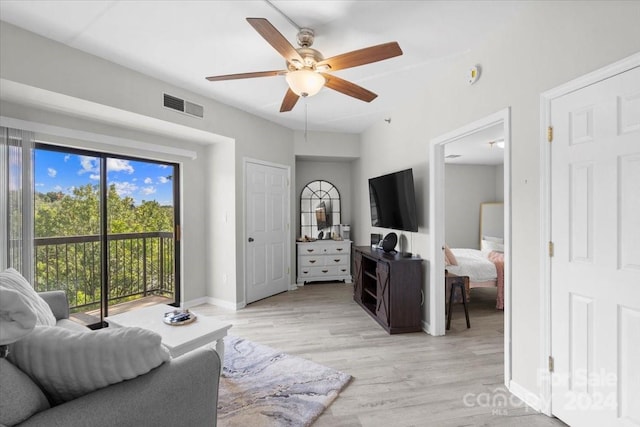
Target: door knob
x=251 y=239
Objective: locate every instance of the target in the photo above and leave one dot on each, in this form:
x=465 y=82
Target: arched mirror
x=319 y=209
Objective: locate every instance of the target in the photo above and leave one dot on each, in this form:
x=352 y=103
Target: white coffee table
x=178 y=339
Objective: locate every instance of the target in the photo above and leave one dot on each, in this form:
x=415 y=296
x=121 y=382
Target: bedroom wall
x=466 y=186
x=118 y=103
x=336 y=172
x=549 y=44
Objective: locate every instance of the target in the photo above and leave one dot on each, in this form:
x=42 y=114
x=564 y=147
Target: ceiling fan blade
x=362 y=56
x=247 y=75
x=289 y=101
x=348 y=88
x=275 y=39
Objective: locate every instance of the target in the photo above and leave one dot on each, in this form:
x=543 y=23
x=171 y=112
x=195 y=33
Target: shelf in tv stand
x=371 y=293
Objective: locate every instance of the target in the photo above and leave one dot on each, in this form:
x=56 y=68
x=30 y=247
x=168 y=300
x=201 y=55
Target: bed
x=484 y=267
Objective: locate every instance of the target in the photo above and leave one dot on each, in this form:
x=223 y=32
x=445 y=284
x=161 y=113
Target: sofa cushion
x=70 y=324
x=68 y=363
x=20 y=397
x=11 y=279
x=16 y=317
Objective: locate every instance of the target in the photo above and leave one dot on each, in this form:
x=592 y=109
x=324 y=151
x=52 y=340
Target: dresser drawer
x=312 y=261
x=337 y=259
x=338 y=248
x=319 y=272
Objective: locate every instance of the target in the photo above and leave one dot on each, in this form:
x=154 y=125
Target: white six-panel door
x=595 y=268
x=267 y=235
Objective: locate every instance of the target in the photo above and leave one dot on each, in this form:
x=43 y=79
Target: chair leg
x=451 y=291
x=464 y=302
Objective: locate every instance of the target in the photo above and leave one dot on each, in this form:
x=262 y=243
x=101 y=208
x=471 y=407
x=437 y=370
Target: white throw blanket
x=16 y=317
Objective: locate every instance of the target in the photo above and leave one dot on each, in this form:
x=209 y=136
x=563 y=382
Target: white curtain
x=16 y=200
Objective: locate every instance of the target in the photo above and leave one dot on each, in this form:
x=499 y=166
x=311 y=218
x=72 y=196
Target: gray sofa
x=182 y=391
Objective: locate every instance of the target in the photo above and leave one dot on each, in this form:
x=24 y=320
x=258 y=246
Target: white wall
x=119 y=102
x=466 y=186
x=549 y=44
x=327 y=145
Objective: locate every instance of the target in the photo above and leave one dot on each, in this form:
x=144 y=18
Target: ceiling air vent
x=183 y=106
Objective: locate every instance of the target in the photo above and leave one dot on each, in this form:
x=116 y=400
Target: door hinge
x=550 y=134
x=551 y=249
x=551 y=364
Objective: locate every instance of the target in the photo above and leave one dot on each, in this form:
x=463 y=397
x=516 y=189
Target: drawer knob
x=339 y=249
x=337 y=260
x=310 y=250
x=325 y=271
x=312 y=261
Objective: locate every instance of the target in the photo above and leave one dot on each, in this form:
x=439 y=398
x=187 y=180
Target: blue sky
x=56 y=171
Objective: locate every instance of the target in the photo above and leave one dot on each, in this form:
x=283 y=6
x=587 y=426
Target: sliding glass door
x=105 y=230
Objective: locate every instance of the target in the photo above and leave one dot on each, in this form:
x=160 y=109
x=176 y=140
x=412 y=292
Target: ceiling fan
x=307 y=71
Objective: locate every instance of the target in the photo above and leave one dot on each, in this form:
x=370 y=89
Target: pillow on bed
x=488 y=246
x=449 y=257
x=493 y=239
x=68 y=364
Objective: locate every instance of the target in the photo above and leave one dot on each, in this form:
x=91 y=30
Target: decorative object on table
x=179 y=317
x=389 y=243
x=263 y=386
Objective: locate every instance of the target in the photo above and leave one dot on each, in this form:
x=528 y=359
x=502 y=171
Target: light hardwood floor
x=399 y=380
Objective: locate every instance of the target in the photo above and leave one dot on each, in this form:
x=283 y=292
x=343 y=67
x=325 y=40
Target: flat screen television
x=393 y=201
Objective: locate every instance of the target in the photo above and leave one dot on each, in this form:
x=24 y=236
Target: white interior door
x=595 y=269
x=267 y=235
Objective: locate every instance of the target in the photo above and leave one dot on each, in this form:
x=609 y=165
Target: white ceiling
x=478 y=148
x=182 y=42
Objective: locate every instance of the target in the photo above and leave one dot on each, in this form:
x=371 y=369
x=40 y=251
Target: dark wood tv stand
x=389 y=288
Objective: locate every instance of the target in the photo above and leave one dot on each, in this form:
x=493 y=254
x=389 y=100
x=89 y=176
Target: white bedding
x=473 y=263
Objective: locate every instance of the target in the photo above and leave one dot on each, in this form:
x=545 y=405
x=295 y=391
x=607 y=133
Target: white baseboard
x=194 y=302
x=426 y=327
x=531 y=399
x=214 y=301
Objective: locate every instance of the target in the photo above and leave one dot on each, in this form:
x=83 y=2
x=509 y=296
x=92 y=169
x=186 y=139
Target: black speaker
x=389 y=242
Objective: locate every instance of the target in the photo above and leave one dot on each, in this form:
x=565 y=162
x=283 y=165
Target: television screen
x=393 y=201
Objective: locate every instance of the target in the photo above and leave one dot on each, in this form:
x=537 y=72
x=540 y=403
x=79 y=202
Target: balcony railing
x=138 y=265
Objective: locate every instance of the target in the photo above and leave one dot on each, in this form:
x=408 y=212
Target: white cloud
x=148 y=181
x=39 y=184
x=66 y=158
x=163 y=179
x=148 y=190
x=119 y=165
x=52 y=172
x=89 y=164
x=163 y=166
x=125 y=188
x=94 y=177
x=57 y=188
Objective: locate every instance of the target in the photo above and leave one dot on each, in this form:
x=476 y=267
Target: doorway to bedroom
x=470 y=218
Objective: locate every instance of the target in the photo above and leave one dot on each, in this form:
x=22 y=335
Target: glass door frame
x=104 y=226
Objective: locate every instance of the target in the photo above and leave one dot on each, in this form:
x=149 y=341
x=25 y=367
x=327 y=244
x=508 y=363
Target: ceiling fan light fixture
x=305 y=82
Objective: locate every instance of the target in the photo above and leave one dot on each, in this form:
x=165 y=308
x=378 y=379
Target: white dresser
x=324 y=260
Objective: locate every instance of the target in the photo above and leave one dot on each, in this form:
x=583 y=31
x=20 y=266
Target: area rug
x=261 y=386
